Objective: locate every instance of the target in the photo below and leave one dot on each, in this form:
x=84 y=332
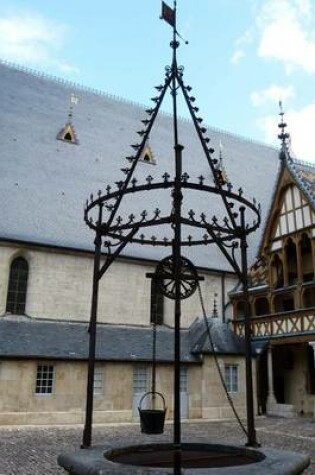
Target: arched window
x=290 y=252
x=306 y=256
x=277 y=272
x=262 y=306
x=240 y=309
x=17 y=288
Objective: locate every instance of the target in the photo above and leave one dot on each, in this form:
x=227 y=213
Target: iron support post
x=177 y=271
x=87 y=431
x=251 y=432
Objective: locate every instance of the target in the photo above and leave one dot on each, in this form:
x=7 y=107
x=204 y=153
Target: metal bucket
x=152 y=420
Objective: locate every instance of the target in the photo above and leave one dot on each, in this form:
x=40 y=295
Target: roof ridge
x=101 y=93
x=68 y=82
x=305 y=163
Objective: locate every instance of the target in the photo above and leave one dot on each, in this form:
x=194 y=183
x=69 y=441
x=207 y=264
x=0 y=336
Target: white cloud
x=286 y=33
x=271 y=94
x=237 y=56
x=301 y=129
x=240 y=45
x=32 y=39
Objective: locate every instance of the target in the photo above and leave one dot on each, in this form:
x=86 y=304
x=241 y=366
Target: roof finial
x=283 y=136
x=220 y=171
x=169 y=15
x=215 y=310
x=73 y=101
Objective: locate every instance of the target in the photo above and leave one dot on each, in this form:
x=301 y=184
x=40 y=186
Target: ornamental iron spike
x=119 y=184
x=135 y=146
x=191 y=214
x=185 y=177
x=149 y=179
x=144 y=214
x=145 y=121
x=166 y=177
x=201 y=179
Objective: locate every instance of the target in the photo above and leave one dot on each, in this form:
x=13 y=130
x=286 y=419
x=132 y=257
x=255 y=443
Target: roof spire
x=283 y=136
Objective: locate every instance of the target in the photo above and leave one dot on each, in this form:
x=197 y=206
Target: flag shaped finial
x=168 y=14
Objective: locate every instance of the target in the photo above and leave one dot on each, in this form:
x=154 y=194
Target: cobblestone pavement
x=34 y=451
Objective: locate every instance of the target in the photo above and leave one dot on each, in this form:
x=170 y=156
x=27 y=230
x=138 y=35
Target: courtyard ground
x=34 y=450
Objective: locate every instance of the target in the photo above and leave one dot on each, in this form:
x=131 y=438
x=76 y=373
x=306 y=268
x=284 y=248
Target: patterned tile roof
x=45 y=181
x=304 y=174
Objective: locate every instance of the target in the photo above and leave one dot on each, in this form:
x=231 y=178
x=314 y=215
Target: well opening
x=192 y=455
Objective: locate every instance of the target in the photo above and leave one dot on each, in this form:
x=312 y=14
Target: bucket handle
x=147 y=394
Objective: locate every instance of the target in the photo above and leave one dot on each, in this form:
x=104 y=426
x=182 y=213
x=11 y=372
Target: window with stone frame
x=157 y=304
x=45 y=379
x=98 y=380
x=231 y=372
x=17 y=288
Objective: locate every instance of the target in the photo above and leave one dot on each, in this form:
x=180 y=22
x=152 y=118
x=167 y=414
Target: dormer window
x=147 y=156
x=67 y=134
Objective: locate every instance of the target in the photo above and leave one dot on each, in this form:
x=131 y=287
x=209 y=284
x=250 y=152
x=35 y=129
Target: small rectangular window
x=157 y=304
x=140 y=379
x=231 y=378
x=45 y=379
x=98 y=380
x=184 y=380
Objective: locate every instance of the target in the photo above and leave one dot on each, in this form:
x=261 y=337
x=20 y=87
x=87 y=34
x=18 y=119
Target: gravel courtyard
x=34 y=451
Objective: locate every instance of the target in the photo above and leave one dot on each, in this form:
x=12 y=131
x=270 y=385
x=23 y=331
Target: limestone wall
x=66 y=405
x=60 y=287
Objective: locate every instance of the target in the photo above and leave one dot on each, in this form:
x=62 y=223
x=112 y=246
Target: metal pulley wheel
x=165 y=277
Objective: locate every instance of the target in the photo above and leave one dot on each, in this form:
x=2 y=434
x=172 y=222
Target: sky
x=243 y=56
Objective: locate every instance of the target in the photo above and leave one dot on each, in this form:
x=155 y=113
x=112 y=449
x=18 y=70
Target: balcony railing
x=295 y=322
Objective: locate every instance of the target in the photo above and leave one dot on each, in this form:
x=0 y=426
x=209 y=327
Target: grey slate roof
x=45 y=181
x=69 y=341
x=224 y=340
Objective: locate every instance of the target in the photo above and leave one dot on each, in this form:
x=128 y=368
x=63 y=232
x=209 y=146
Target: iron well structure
x=180 y=229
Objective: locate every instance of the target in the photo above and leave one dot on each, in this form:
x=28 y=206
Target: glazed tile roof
x=45 y=182
x=304 y=174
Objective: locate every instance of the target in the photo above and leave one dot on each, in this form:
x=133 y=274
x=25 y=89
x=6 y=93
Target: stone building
x=60 y=142
x=282 y=293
